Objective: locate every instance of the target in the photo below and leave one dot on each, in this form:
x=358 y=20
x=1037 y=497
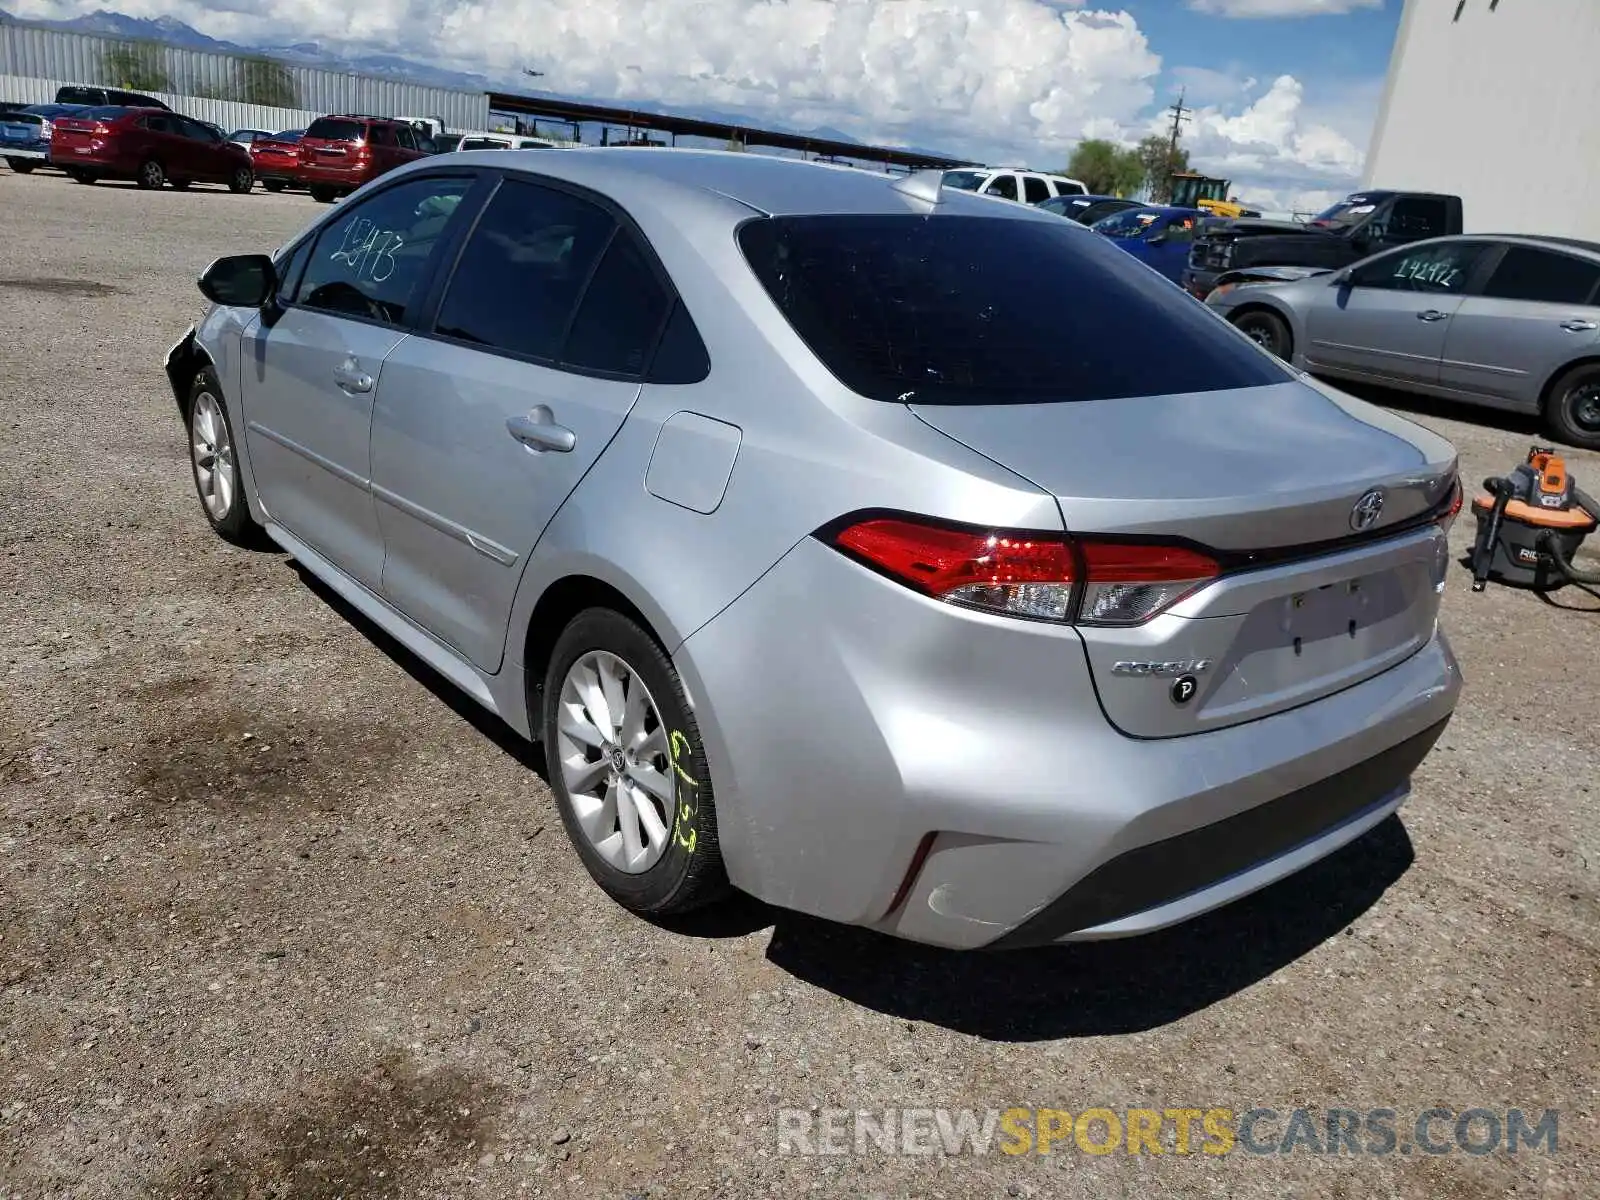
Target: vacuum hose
x=1489 y=531
x=1548 y=544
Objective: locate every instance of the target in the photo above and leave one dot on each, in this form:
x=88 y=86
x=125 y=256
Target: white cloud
x=1281 y=8
x=1272 y=149
x=996 y=80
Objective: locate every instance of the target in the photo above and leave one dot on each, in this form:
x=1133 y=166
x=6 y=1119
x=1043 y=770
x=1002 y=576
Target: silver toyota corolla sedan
x=890 y=554
x=1509 y=322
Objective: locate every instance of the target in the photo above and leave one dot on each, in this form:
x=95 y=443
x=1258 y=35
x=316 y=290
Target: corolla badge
x=1367 y=510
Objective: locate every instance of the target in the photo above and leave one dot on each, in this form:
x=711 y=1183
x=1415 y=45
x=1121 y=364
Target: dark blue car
x=25 y=134
x=1156 y=234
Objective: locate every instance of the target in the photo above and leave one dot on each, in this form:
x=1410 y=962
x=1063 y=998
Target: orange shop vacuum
x=1530 y=525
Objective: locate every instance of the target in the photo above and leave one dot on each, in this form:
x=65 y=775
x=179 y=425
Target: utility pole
x=1180 y=114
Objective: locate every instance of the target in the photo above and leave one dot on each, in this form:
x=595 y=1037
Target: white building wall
x=1501 y=106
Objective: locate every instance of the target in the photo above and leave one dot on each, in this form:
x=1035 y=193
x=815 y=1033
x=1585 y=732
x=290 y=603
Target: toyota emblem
x=1367 y=510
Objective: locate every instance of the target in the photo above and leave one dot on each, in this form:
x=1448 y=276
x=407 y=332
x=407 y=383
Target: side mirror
x=1340 y=278
x=240 y=281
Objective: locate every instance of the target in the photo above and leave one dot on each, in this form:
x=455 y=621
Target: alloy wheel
x=616 y=762
x=213 y=456
x=151 y=174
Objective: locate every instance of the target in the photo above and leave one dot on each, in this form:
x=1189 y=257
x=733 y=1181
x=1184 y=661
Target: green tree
x=1158 y=160
x=1105 y=168
x=136 y=65
x=264 y=81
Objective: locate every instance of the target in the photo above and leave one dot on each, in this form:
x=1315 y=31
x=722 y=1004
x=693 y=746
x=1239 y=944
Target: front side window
x=370 y=261
x=1442 y=268
x=1544 y=276
x=1035 y=189
x=986 y=310
x=520 y=274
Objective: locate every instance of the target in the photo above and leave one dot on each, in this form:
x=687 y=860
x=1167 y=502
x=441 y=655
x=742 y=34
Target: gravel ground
x=280 y=915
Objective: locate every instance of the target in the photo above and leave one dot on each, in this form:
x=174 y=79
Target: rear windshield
x=79 y=95
x=483 y=144
x=21 y=118
x=333 y=130
x=989 y=310
x=103 y=112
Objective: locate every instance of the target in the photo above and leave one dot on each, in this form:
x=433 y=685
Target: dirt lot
x=279 y=915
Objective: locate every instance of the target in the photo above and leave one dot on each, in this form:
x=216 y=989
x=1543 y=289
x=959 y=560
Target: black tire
x=234 y=525
x=1267 y=330
x=272 y=185
x=323 y=195
x=151 y=175
x=22 y=166
x=243 y=180
x=180 y=185
x=690 y=873
x=87 y=178
x=1572 y=407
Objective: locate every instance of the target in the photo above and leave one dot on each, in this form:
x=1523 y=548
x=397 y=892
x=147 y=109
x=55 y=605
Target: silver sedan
x=831 y=547
x=1508 y=322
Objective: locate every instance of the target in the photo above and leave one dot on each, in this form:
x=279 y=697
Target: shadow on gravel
x=1097 y=988
x=79 y=288
x=371 y=1135
x=490 y=726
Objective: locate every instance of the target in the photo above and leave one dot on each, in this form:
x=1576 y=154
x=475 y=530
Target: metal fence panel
x=202 y=77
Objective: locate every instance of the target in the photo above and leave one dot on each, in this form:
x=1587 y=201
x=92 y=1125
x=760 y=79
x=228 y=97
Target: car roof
x=1541 y=239
x=765 y=183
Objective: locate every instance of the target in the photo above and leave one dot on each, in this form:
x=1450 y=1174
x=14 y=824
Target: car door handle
x=1431 y=314
x=352 y=378
x=539 y=431
x=1576 y=326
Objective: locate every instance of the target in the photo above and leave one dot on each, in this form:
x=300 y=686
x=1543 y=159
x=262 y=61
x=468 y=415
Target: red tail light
x=1042 y=576
x=1452 y=509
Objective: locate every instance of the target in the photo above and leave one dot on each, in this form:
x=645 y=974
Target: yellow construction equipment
x=1193 y=190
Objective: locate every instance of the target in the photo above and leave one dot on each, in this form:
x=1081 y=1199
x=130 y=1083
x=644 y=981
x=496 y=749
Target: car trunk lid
x=1313 y=596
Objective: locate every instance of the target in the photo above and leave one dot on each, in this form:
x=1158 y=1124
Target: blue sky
x=1285 y=91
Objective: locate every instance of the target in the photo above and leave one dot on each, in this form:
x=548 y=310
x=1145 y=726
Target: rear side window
x=370 y=262
x=1003 y=185
x=331 y=129
x=1527 y=274
x=519 y=277
x=621 y=314
x=1034 y=189
x=989 y=310
x=1418 y=217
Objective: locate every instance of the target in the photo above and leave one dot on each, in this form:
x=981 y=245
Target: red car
x=149 y=146
x=277 y=159
x=338 y=154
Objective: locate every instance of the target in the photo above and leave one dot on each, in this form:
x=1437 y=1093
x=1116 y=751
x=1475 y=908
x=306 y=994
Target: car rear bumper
x=867 y=743
x=334 y=176
x=33 y=151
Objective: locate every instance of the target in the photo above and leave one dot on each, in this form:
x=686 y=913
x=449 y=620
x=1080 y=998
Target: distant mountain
x=106 y=23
